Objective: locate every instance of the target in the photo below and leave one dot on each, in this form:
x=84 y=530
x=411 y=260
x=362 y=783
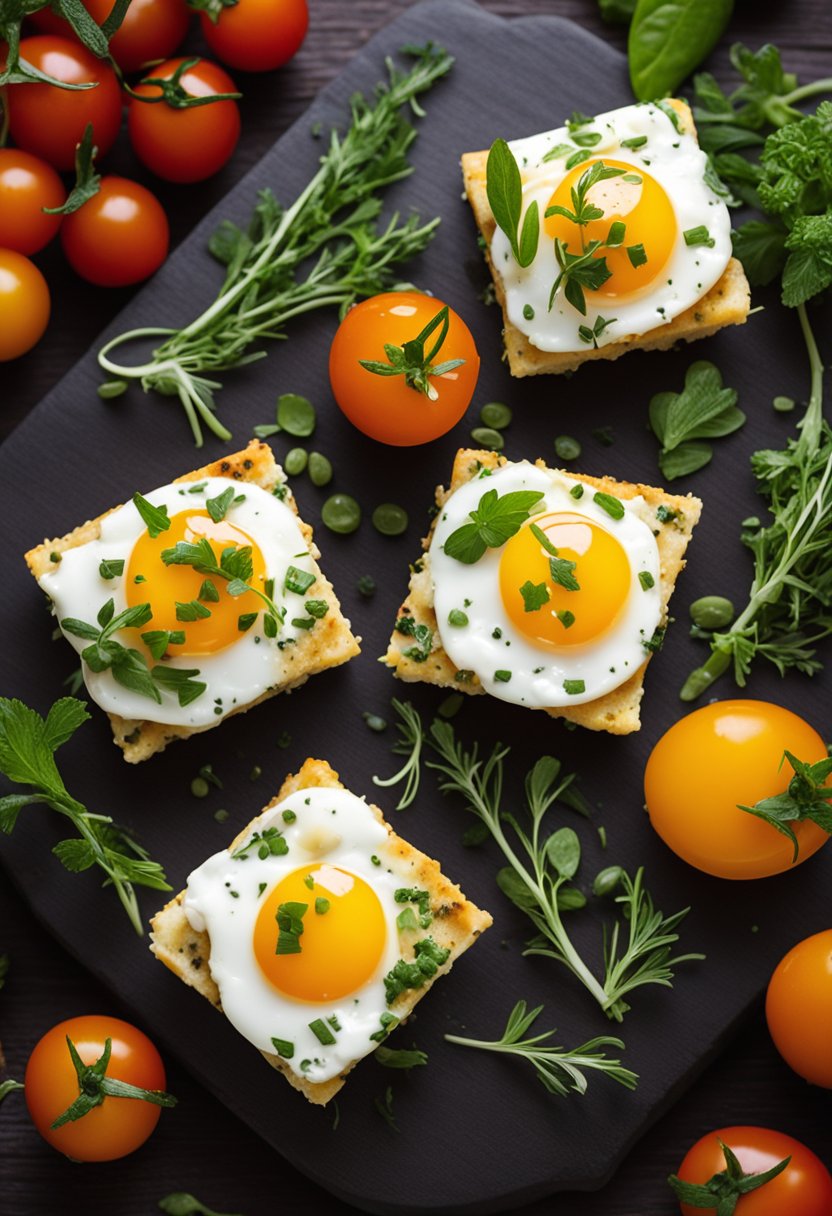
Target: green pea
x=341 y=513
x=295 y=461
x=457 y=618
x=567 y=448
x=366 y=586
x=320 y=469
x=783 y=405
x=221 y=815
x=390 y=519
x=200 y=787
x=712 y=612
x=607 y=880
x=451 y=706
x=295 y=415
x=112 y=388
x=495 y=415
x=487 y=437
x=374 y=722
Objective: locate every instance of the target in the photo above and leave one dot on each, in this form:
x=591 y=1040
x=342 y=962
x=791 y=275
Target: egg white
x=235 y=676
x=678 y=164
x=537 y=672
x=223 y=898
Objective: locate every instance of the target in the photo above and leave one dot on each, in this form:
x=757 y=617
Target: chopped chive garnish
x=607 y=502
x=284 y=1048
x=574 y=688
x=502 y=677
x=322 y=1032
x=111 y=568
x=289 y=917
x=646 y=579
x=698 y=236
x=298 y=581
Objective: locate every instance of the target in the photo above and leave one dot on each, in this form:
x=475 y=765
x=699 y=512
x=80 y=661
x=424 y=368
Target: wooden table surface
x=201 y=1147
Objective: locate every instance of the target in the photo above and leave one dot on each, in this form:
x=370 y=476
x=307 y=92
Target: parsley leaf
x=703 y=410
x=494 y=521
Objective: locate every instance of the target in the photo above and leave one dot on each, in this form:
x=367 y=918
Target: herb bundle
x=788 y=610
x=28 y=743
x=326 y=249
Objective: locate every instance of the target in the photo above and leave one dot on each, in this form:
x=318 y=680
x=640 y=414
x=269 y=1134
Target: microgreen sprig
x=807 y=797
x=27 y=746
x=410 y=360
x=561 y=1071
x=410 y=745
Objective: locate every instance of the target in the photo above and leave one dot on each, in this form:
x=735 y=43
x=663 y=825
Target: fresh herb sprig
x=409 y=744
x=561 y=1071
x=28 y=744
x=587 y=269
x=538 y=882
x=411 y=361
x=504 y=189
x=235 y=566
x=496 y=518
x=682 y=422
x=326 y=249
x=181 y=1203
x=807 y=797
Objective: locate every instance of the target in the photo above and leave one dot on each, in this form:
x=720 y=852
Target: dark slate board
x=477 y=1133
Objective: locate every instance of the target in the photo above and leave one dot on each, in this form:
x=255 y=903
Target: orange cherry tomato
x=50 y=121
x=799 y=1008
x=117 y=1126
x=257 y=35
x=24 y=304
x=185 y=145
x=719 y=756
x=27 y=185
x=119 y=236
x=386 y=407
x=803 y=1189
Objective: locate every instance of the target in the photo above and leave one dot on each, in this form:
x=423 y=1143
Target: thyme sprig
x=561 y=1071
x=410 y=744
x=540 y=870
x=411 y=361
x=27 y=746
x=326 y=249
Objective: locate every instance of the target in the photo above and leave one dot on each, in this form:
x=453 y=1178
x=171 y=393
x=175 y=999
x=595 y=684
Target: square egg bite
x=672 y=277
x=194 y=603
x=317 y=931
x=564 y=606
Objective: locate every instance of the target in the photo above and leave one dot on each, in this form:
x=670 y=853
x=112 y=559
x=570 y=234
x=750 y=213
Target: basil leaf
x=669 y=38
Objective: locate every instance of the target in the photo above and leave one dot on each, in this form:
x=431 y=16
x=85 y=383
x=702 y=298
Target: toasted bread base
x=329 y=644
x=727 y=303
x=457 y=924
x=616 y=712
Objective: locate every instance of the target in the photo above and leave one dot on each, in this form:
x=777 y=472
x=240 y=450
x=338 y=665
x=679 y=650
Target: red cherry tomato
x=803 y=1189
x=799 y=1008
x=257 y=35
x=117 y=1126
x=185 y=145
x=24 y=304
x=386 y=407
x=50 y=121
x=27 y=185
x=120 y=236
x=151 y=29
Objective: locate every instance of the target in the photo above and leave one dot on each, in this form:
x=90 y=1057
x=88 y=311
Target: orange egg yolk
x=341 y=945
x=636 y=200
x=601 y=570
x=150 y=581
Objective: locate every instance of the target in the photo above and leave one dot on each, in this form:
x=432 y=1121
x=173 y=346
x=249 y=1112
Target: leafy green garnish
x=704 y=409
x=414 y=895
x=587 y=269
x=27 y=746
x=111 y=568
x=422 y=636
x=411 y=737
x=505 y=197
x=392 y=1057
x=535 y=595
x=428 y=958
x=807 y=797
x=236 y=568
x=668 y=40
x=181 y=1203
x=289 y=917
x=495 y=520
x=561 y=1071
x=218 y=507
x=155 y=518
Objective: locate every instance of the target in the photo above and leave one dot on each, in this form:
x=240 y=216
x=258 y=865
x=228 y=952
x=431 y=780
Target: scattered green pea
x=567 y=448
x=374 y=722
x=607 y=880
x=112 y=388
x=495 y=415
x=457 y=618
x=602 y=835
x=295 y=461
x=783 y=405
x=366 y=586
x=487 y=437
x=221 y=815
x=295 y=415
x=712 y=612
x=390 y=519
x=341 y=513
x=320 y=469
x=200 y=787
x=604 y=435
x=451 y=706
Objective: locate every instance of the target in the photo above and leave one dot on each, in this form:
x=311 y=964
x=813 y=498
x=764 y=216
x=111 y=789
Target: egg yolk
x=150 y=581
x=716 y=759
x=343 y=938
x=634 y=199
x=567 y=617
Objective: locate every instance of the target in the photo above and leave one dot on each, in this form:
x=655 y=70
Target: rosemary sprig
x=410 y=745
x=331 y=228
x=561 y=1071
x=539 y=882
x=27 y=746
